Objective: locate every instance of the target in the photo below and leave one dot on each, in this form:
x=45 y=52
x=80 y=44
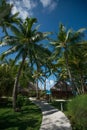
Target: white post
x=61 y=106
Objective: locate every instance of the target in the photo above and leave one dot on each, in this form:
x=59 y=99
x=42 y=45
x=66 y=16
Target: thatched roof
x=32 y=86
x=61 y=86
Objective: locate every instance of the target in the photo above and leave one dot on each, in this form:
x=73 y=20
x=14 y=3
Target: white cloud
x=23 y=13
x=29 y=4
x=14 y=10
x=50 y=4
x=46 y=3
x=49 y=83
x=53 y=6
x=24 y=7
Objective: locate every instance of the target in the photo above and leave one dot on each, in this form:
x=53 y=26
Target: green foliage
x=26 y=101
x=20 y=100
x=27 y=119
x=69 y=56
x=6 y=80
x=60 y=105
x=5 y=102
x=77 y=110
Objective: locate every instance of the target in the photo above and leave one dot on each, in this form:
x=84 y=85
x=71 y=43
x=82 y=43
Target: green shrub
x=26 y=101
x=20 y=100
x=77 y=109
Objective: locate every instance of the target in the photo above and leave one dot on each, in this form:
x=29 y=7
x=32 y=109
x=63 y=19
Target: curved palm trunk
x=37 y=93
x=45 y=85
x=14 y=95
x=69 y=72
x=82 y=83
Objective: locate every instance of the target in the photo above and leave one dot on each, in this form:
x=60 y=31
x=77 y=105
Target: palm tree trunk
x=81 y=79
x=37 y=93
x=45 y=84
x=68 y=71
x=82 y=83
x=14 y=95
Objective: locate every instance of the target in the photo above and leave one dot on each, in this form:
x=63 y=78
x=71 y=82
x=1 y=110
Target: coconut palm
x=64 y=39
x=78 y=63
x=25 y=42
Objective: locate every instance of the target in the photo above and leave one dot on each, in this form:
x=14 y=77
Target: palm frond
x=8 y=52
x=67 y=35
x=37 y=27
x=14 y=17
x=16 y=31
x=19 y=55
x=29 y=22
x=81 y=30
x=54 y=42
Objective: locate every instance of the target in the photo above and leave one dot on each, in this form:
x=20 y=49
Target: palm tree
x=24 y=42
x=66 y=38
x=78 y=64
x=6 y=18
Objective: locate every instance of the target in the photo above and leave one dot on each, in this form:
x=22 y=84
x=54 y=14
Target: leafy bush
x=28 y=119
x=77 y=109
x=20 y=100
x=26 y=101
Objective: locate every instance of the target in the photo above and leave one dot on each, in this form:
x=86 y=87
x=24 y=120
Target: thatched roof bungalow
x=61 y=90
x=29 y=90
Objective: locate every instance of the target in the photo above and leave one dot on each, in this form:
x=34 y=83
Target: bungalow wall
x=61 y=94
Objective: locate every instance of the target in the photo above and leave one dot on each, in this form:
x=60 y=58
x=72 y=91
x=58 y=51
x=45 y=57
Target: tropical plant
x=78 y=65
x=77 y=110
x=25 y=42
x=6 y=18
x=66 y=38
x=6 y=80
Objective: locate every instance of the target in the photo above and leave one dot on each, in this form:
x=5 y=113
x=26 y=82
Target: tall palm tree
x=78 y=64
x=64 y=39
x=25 y=42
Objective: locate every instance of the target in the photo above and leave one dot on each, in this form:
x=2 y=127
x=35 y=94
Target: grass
x=28 y=119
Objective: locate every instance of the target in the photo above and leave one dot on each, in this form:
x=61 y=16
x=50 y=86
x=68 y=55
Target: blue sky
x=72 y=13
x=49 y=13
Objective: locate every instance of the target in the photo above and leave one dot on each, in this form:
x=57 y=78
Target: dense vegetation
x=33 y=61
x=77 y=110
x=28 y=118
x=66 y=62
